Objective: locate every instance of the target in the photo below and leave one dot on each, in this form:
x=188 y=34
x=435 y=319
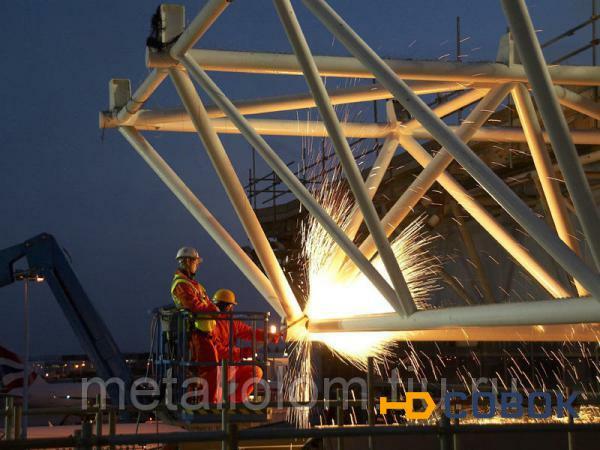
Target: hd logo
x=510 y=405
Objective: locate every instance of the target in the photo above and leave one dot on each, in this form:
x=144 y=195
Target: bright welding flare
x=335 y=294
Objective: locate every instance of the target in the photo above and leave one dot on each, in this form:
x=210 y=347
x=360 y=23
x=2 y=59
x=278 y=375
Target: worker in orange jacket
x=189 y=295
x=225 y=300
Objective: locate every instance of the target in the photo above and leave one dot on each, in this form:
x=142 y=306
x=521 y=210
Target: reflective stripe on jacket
x=190 y=295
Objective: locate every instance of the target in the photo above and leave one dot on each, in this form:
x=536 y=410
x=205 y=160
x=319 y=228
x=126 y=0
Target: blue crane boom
x=45 y=258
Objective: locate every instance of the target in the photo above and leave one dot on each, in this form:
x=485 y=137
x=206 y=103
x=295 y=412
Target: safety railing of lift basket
x=172 y=356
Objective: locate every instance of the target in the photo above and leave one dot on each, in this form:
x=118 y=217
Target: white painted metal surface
x=539 y=320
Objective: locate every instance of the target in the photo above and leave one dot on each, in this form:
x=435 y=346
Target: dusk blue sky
x=59 y=173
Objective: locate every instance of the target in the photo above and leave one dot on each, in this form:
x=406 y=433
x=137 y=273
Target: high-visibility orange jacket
x=241 y=331
x=190 y=295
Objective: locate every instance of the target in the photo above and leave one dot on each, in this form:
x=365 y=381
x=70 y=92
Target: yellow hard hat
x=225 y=296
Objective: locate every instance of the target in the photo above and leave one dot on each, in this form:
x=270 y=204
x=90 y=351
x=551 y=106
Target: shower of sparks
x=332 y=293
x=335 y=293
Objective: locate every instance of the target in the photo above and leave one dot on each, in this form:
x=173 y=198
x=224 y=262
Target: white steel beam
x=514 y=134
x=566 y=154
x=236 y=193
x=524 y=333
x=278 y=127
x=387 y=152
x=545 y=171
x=342 y=66
x=544 y=312
x=139 y=97
x=460 y=101
x=203 y=216
x=487 y=222
x=405 y=306
x=208 y=14
x=388 y=149
x=577 y=102
x=201 y=23
x=286 y=175
x=355 y=94
x=374 y=179
x=461 y=152
x=428 y=176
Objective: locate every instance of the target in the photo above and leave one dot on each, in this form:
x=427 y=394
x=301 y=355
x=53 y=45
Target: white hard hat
x=188 y=252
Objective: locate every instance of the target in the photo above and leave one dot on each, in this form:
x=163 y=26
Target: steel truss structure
x=561 y=317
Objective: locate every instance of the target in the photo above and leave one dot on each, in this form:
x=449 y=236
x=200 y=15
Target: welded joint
x=392 y=118
x=298 y=329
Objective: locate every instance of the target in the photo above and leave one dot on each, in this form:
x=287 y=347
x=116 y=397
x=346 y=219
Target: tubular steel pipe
x=286 y=175
x=448 y=107
x=461 y=152
x=577 y=102
x=194 y=31
x=532 y=333
x=374 y=179
x=143 y=92
x=428 y=176
x=389 y=147
x=201 y=23
x=544 y=312
x=275 y=127
x=341 y=66
x=203 y=216
x=236 y=193
x=546 y=174
x=566 y=154
x=283 y=103
x=487 y=221
x=511 y=134
x=387 y=152
x=406 y=305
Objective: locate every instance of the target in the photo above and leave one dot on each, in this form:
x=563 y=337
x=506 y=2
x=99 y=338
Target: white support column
x=486 y=177
x=350 y=169
x=523 y=32
x=235 y=191
x=428 y=176
x=546 y=174
x=544 y=312
x=203 y=216
x=286 y=175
